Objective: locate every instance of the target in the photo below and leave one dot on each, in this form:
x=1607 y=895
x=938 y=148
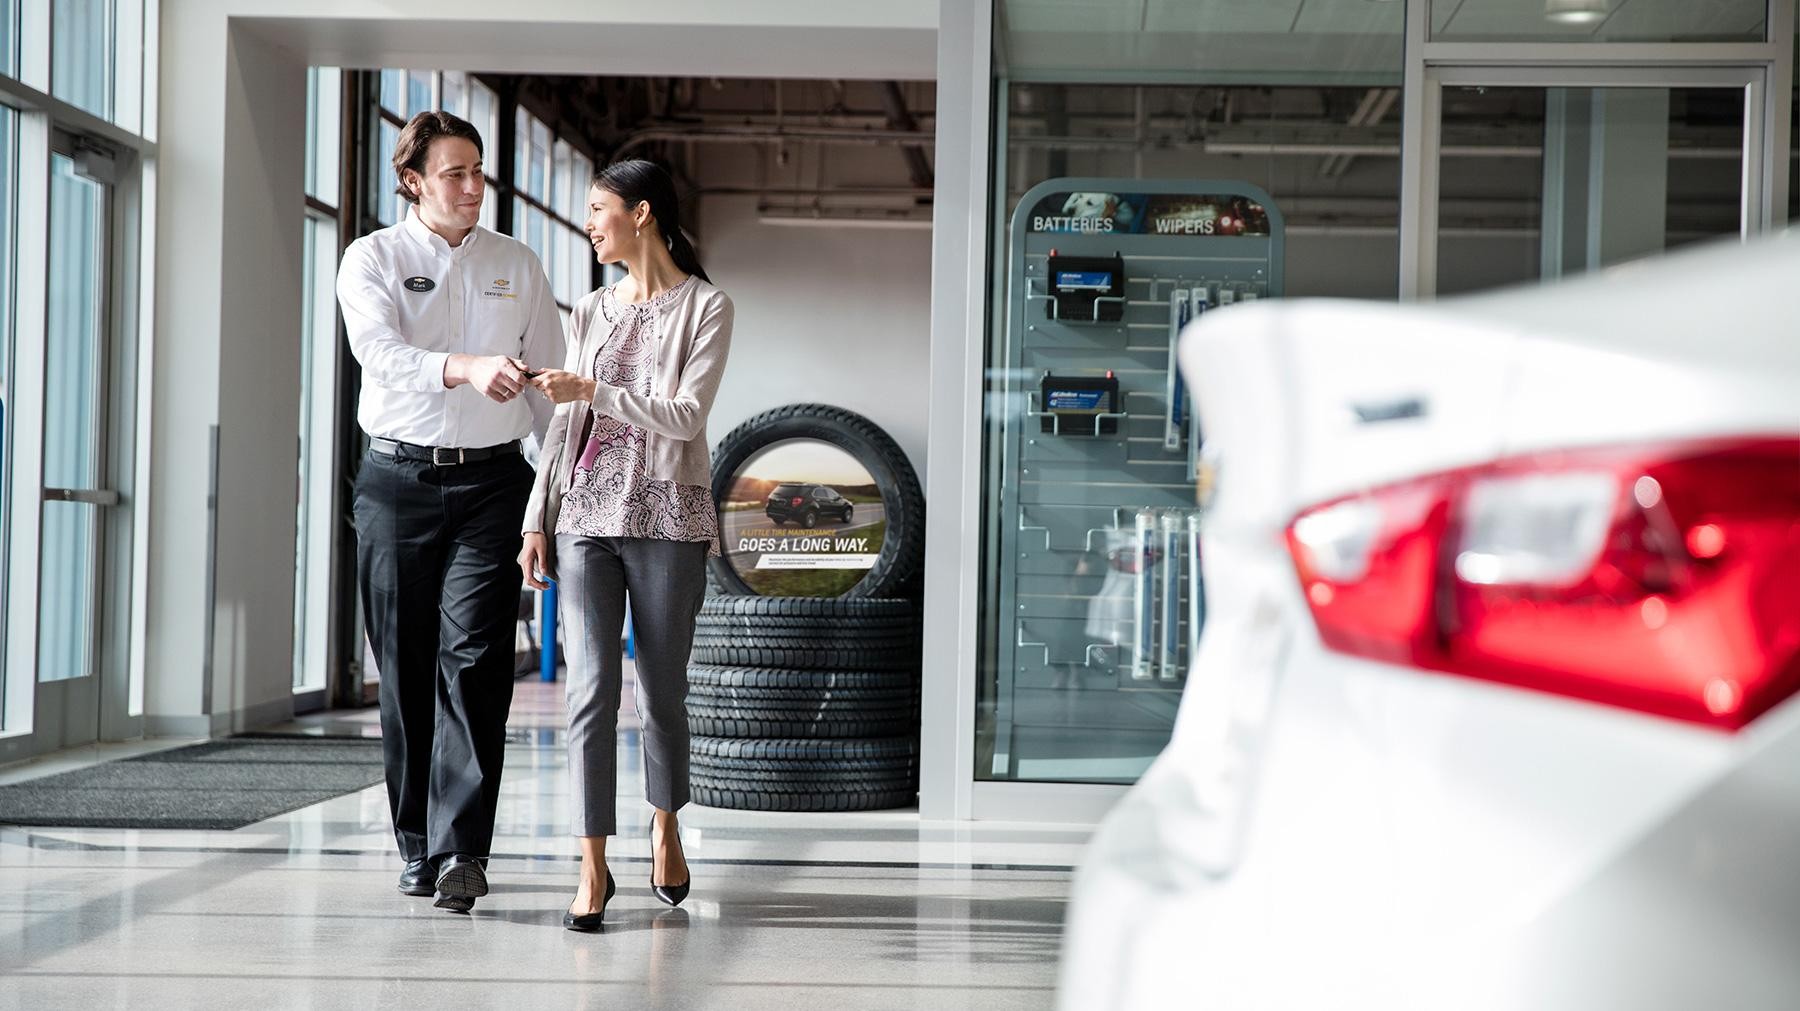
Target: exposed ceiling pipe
x=801 y=192
x=766 y=135
x=898 y=118
x=1224 y=142
x=1370 y=97
x=1369 y=112
x=843 y=218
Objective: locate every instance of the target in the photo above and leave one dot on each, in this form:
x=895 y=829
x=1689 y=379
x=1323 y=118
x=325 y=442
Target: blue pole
x=547 y=633
x=630 y=633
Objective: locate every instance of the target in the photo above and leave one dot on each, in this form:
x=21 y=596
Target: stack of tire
x=812 y=703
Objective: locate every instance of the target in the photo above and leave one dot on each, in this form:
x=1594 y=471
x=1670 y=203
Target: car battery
x=1080 y=405
x=1088 y=289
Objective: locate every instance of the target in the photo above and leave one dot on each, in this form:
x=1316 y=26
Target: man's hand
x=497 y=377
x=534 y=561
x=564 y=387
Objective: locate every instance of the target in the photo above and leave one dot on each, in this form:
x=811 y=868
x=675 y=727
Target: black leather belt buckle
x=443 y=457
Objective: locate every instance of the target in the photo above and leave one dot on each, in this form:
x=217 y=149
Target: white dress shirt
x=411 y=300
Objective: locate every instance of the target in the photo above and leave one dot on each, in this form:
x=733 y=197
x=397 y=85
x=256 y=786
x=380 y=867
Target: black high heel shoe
x=590 y=923
x=671 y=895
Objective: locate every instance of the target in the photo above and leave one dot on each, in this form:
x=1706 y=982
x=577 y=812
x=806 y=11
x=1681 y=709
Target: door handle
x=91 y=496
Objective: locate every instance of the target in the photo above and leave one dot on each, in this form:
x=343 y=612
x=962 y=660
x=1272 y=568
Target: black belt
x=441 y=456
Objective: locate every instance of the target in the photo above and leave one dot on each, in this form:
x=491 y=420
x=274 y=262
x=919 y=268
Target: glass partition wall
x=1359 y=148
x=1211 y=154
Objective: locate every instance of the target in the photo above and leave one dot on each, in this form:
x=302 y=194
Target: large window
x=9 y=37
x=324 y=89
x=82 y=57
x=318 y=381
x=418 y=92
x=406 y=93
x=550 y=207
x=9 y=180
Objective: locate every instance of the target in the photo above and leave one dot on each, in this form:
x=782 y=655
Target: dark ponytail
x=638 y=181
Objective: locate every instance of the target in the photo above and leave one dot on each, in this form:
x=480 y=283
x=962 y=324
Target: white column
x=953 y=441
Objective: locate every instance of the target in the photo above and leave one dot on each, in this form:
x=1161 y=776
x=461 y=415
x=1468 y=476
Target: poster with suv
x=802 y=518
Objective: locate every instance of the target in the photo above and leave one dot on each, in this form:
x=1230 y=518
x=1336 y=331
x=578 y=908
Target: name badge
x=419 y=284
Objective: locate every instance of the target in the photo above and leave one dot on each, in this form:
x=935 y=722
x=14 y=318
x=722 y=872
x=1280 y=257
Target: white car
x=1495 y=705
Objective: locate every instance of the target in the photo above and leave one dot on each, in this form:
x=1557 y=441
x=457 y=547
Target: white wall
x=228 y=279
x=836 y=316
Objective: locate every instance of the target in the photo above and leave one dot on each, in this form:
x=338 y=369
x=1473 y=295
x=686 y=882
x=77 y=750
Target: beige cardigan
x=693 y=337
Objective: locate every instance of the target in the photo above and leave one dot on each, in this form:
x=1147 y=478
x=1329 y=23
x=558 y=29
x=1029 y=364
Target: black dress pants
x=437 y=551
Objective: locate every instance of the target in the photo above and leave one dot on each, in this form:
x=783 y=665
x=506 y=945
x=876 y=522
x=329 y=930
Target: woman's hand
x=564 y=387
x=534 y=561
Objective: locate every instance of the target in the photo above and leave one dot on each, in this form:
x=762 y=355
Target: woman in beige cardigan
x=624 y=487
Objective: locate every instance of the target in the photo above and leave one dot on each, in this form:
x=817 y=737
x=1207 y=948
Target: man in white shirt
x=446 y=319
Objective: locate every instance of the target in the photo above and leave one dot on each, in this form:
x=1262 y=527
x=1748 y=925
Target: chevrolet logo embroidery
x=502 y=283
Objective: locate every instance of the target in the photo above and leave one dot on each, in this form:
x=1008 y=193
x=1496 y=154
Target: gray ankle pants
x=666 y=581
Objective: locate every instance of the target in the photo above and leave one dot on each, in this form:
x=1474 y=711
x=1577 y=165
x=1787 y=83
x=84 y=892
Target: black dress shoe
x=460 y=882
x=590 y=923
x=416 y=878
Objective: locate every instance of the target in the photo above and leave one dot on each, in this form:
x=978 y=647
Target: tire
x=903 y=550
x=726 y=721
x=816 y=628
x=810 y=520
x=805 y=771
x=849 y=511
x=813 y=639
x=836 y=609
x=838 y=709
x=790 y=749
x=878 y=698
x=892 y=783
x=704 y=678
x=728 y=795
x=821 y=658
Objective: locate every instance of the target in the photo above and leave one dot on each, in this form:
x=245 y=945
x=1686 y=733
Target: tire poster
x=802 y=518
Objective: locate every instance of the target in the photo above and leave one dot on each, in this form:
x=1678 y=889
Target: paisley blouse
x=610 y=495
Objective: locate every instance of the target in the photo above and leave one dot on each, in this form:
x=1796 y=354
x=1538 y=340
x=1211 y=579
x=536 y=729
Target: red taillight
x=1662 y=579
x=797 y=501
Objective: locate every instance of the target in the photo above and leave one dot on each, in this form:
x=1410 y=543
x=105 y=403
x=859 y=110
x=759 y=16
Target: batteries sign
x=1184 y=214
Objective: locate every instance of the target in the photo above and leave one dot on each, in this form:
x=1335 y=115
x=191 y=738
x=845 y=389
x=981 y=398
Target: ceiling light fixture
x=1575 y=12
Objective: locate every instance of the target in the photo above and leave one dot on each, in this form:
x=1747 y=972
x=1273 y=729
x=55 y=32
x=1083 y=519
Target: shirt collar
x=432 y=240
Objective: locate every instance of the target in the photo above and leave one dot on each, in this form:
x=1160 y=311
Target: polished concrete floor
x=877 y=910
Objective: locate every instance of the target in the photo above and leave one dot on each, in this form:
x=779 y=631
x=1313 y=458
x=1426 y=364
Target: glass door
x=1540 y=173
x=72 y=552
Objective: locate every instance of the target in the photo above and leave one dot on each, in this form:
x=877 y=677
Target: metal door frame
x=1755 y=205
x=104 y=702
x=1764 y=69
